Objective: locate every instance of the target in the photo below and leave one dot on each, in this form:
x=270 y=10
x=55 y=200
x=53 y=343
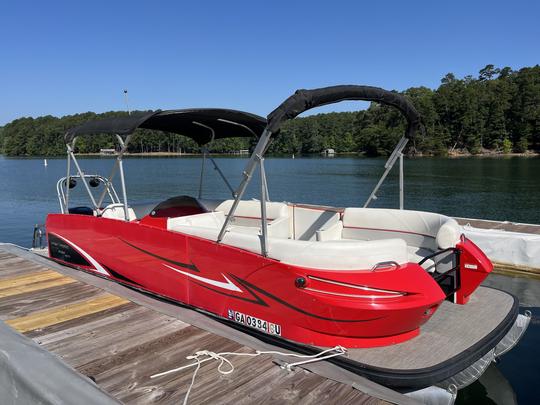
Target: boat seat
x=248 y=214
x=210 y=220
x=328 y=255
x=308 y=221
x=82 y=211
x=136 y=211
x=332 y=232
x=423 y=229
x=338 y=254
x=214 y=220
x=116 y=211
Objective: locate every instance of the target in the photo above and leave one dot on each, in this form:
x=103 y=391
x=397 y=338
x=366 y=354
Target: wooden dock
x=119 y=344
x=500 y=225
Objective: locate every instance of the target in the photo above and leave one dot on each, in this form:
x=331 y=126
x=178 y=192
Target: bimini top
x=303 y=100
x=200 y=124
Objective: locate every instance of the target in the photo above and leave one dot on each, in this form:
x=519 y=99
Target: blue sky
x=62 y=58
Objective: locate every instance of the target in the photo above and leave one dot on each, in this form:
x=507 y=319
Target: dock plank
x=26 y=303
x=30 y=287
x=36 y=277
x=41 y=319
x=121 y=344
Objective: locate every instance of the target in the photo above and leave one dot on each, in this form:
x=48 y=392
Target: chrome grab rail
x=385 y=265
x=62 y=185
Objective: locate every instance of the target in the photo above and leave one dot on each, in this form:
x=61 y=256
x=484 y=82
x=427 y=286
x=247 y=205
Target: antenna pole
x=126 y=101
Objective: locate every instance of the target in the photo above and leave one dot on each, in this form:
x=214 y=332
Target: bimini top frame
x=201 y=125
x=303 y=100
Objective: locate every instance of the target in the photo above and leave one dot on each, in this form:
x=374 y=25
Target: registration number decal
x=256 y=323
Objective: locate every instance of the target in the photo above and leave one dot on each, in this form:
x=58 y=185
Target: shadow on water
x=491 y=388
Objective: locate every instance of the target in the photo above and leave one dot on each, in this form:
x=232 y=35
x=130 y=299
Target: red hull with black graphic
x=323 y=309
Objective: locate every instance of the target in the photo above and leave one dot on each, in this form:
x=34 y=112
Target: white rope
x=203 y=356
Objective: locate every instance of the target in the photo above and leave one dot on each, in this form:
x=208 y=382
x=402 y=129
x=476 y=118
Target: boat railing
x=446 y=272
x=94 y=180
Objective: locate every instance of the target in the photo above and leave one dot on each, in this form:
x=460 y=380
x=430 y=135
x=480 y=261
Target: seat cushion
x=338 y=254
x=207 y=220
x=116 y=211
x=449 y=234
x=252 y=209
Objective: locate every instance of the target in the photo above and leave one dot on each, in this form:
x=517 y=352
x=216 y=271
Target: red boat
x=355 y=277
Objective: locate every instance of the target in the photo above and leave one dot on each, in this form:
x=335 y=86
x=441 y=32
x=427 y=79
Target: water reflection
x=491 y=388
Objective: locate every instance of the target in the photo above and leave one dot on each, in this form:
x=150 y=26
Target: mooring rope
x=203 y=356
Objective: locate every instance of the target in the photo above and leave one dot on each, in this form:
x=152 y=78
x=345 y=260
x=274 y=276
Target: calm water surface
x=489 y=188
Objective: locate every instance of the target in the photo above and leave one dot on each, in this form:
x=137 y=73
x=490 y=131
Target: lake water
x=489 y=188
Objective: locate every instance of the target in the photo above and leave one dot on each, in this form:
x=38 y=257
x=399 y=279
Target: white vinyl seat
x=424 y=232
x=309 y=222
x=329 y=255
x=116 y=211
x=248 y=215
x=363 y=239
x=136 y=211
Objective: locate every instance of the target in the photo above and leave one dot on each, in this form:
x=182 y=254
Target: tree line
x=499 y=110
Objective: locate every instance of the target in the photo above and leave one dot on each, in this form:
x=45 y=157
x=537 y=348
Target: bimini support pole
x=388 y=166
x=205 y=153
x=216 y=168
x=64 y=208
x=248 y=173
x=123 y=149
x=401 y=185
x=81 y=174
x=264 y=197
x=122 y=178
x=254 y=135
x=203 y=164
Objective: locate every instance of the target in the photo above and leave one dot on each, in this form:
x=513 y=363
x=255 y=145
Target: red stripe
x=319 y=208
x=389 y=230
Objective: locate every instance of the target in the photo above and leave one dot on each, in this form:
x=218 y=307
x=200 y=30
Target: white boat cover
x=518 y=249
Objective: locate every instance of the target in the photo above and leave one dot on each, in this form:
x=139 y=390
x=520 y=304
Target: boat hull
x=358 y=308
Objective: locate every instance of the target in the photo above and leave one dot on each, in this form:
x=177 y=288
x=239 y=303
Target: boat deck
x=500 y=225
x=120 y=344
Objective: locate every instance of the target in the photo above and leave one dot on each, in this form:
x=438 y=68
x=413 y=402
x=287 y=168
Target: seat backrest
x=116 y=211
x=210 y=220
x=417 y=228
x=251 y=209
x=248 y=214
x=307 y=221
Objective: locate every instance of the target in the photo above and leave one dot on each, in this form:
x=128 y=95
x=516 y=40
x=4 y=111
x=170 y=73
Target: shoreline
x=450 y=155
